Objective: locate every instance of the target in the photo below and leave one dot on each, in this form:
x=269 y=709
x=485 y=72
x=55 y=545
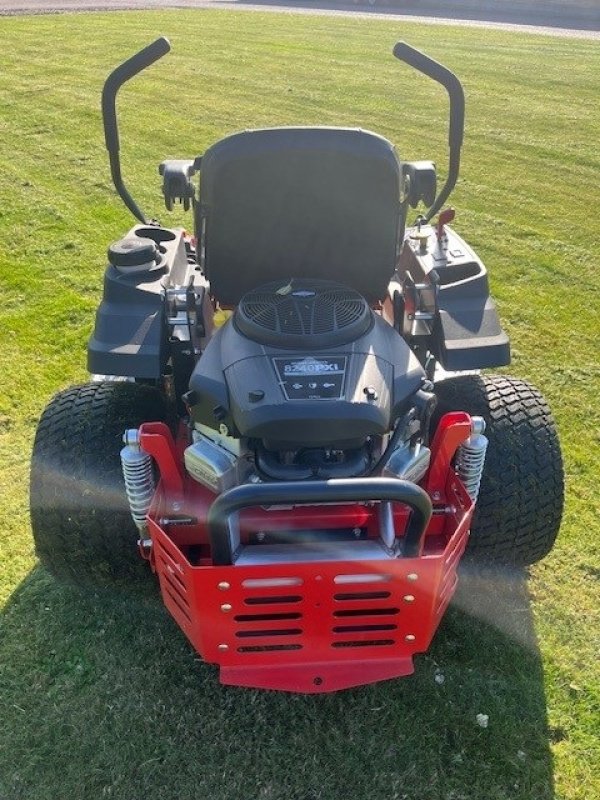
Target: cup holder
x=157 y=235
x=459 y=272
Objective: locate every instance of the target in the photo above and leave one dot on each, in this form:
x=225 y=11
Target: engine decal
x=311 y=378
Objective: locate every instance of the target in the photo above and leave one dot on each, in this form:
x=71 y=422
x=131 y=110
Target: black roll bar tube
x=128 y=69
x=343 y=490
x=436 y=71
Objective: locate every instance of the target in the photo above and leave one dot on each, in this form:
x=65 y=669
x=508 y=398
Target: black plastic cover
x=300 y=203
x=130 y=334
x=177 y=186
x=466 y=332
x=243 y=384
x=468 y=335
x=422 y=182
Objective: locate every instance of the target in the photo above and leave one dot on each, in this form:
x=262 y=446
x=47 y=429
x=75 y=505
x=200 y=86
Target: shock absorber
x=470 y=457
x=138 y=477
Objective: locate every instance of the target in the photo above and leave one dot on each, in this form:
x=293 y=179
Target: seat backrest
x=299 y=203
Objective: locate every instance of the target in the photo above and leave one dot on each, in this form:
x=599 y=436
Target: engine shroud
x=303 y=314
x=304 y=364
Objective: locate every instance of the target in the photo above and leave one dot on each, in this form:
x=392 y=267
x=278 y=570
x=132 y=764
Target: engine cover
x=261 y=378
x=303 y=315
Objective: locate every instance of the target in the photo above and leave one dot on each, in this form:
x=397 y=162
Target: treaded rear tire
x=519 y=509
x=80 y=519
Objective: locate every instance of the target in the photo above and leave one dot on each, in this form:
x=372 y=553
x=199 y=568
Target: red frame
x=307 y=627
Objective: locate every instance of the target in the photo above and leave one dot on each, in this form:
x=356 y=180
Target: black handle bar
x=124 y=72
x=436 y=71
x=346 y=490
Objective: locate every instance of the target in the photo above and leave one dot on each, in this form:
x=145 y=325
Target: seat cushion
x=299 y=203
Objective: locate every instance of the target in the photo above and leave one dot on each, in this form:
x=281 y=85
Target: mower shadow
x=104 y=698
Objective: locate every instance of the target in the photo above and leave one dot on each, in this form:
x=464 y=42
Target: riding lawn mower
x=287 y=420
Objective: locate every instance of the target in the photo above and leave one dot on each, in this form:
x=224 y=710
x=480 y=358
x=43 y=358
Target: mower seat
x=285 y=203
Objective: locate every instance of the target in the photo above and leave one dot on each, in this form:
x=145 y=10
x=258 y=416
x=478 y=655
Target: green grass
x=100 y=695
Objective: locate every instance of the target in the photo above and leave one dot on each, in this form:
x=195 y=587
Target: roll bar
x=436 y=71
x=402 y=51
x=128 y=69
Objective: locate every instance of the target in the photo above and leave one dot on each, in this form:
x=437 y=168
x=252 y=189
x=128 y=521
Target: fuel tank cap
x=134 y=254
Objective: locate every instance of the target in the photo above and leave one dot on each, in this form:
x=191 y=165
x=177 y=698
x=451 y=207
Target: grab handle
x=344 y=490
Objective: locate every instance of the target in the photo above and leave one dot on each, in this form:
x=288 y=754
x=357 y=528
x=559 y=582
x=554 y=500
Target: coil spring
x=138 y=477
x=470 y=460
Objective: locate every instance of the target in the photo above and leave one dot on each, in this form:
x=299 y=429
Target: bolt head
x=410 y=637
x=223 y=647
x=226 y=607
x=223 y=586
x=412 y=577
x=409 y=598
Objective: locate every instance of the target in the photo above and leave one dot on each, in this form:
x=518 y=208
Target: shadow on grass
x=103 y=697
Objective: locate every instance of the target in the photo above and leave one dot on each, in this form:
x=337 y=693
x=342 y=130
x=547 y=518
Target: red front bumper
x=319 y=625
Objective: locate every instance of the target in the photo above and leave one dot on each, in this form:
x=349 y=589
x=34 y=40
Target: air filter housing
x=298 y=314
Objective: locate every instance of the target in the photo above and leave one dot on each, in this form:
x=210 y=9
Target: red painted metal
x=450 y=433
x=445 y=218
x=156 y=440
x=311 y=627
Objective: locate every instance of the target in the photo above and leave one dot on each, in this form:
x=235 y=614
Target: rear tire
x=519 y=509
x=82 y=528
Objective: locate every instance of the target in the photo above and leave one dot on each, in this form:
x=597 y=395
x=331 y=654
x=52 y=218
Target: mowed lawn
x=100 y=695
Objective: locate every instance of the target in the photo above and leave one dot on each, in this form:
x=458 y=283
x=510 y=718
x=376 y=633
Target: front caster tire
x=80 y=519
x=519 y=509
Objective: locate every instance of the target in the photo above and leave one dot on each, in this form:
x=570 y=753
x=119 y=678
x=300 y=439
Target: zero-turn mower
x=286 y=420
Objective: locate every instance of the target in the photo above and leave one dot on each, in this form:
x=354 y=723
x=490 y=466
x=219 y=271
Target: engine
x=304 y=381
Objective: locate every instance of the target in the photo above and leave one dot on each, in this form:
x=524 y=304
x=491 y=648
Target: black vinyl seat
x=302 y=203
